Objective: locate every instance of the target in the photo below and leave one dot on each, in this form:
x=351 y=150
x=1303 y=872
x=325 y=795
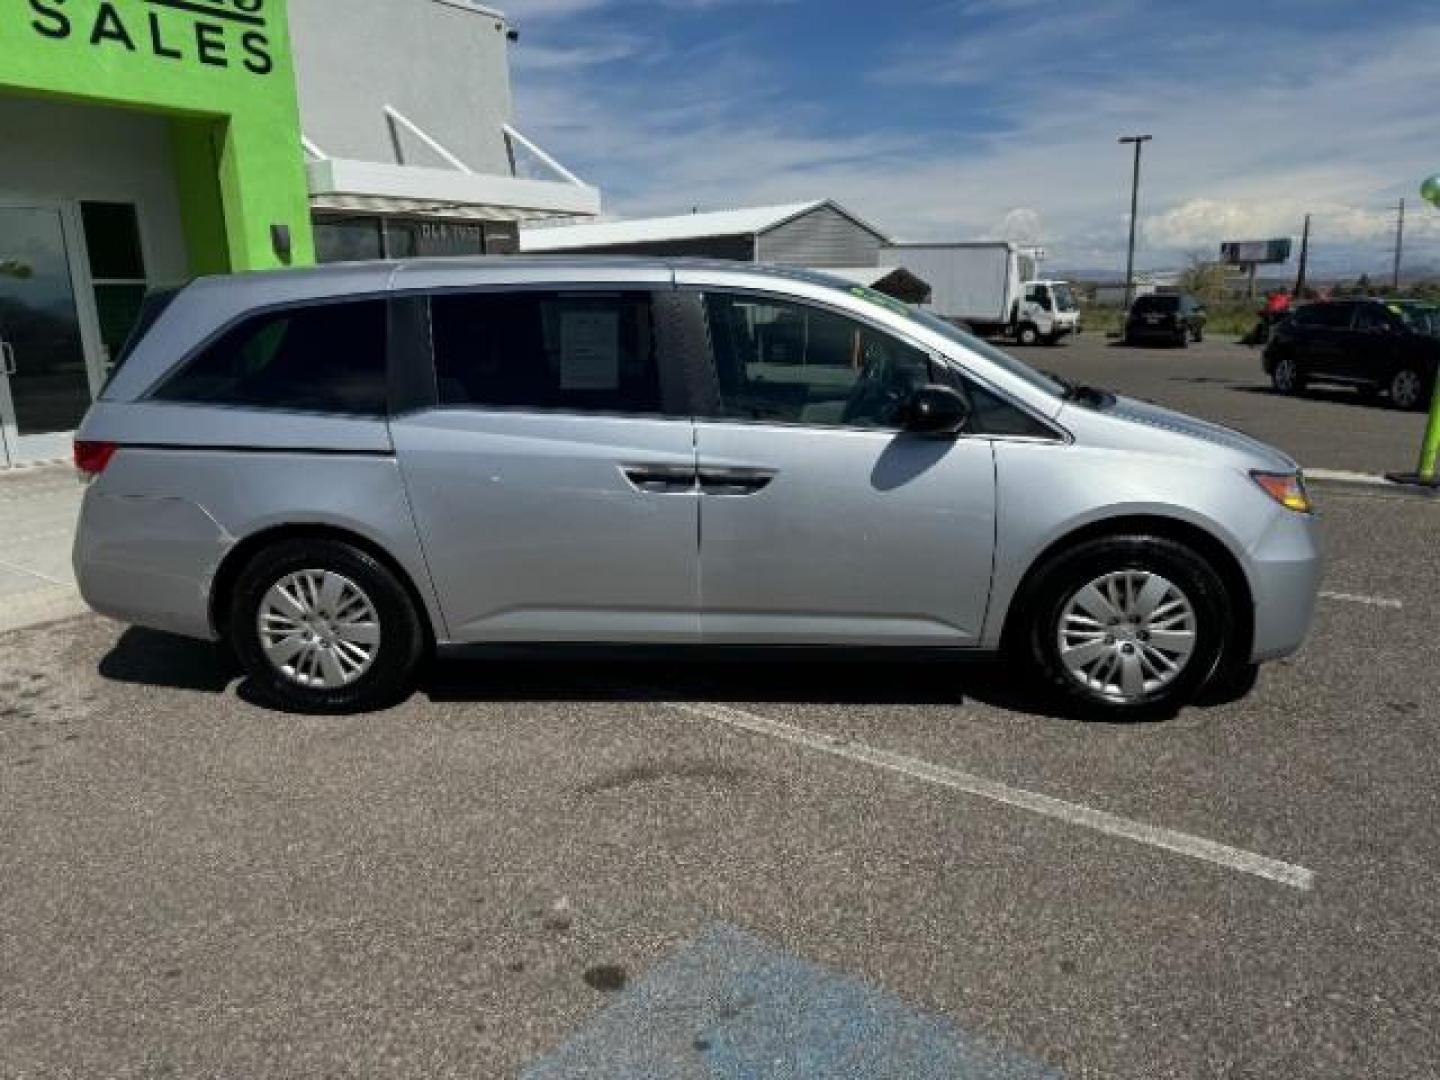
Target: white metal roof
x=745 y=222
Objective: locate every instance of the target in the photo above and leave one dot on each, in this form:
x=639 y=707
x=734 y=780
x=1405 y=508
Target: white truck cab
x=1046 y=311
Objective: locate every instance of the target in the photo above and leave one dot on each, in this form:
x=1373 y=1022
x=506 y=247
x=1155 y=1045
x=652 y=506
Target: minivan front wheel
x=1127 y=627
x=322 y=626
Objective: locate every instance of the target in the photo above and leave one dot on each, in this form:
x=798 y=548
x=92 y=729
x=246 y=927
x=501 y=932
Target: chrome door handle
x=7 y=359
x=734 y=482
x=660 y=479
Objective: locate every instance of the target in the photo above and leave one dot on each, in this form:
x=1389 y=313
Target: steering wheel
x=874 y=398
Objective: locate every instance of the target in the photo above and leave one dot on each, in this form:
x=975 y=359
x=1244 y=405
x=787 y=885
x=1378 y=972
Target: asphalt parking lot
x=713 y=869
x=1330 y=428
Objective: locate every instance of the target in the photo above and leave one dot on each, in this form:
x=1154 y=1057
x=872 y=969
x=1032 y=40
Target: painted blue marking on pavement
x=728 y=1006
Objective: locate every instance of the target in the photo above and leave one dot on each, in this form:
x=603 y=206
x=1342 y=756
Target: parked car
x=1174 y=318
x=337 y=471
x=1377 y=346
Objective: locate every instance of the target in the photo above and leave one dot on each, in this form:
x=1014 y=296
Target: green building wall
x=221 y=70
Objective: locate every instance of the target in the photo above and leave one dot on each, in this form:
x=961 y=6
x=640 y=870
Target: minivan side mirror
x=936 y=410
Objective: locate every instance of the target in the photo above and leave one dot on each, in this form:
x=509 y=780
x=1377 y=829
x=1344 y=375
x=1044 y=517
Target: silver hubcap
x=1127 y=634
x=319 y=629
x=1405 y=390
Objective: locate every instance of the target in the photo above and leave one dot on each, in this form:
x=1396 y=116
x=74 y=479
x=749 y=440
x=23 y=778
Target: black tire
x=1199 y=335
x=1182 y=340
x=1407 y=390
x=1052 y=586
x=1286 y=376
x=1027 y=334
x=402 y=640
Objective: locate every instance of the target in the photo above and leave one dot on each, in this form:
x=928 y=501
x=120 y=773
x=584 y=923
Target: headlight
x=1288 y=489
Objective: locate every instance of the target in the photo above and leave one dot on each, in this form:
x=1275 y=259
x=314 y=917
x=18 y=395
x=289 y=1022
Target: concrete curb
x=1357 y=483
x=41 y=606
x=30 y=468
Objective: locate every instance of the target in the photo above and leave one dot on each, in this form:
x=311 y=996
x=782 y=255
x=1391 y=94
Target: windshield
x=1064 y=298
x=998 y=357
x=1003 y=360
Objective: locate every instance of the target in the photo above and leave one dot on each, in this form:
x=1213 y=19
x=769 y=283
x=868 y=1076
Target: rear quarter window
x=322 y=357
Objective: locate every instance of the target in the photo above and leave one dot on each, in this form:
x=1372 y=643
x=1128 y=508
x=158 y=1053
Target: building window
x=117 y=268
x=353 y=239
x=347 y=239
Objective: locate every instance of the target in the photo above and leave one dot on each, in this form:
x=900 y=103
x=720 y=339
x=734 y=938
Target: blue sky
x=969 y=118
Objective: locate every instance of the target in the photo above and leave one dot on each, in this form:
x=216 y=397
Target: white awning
x=374 y=187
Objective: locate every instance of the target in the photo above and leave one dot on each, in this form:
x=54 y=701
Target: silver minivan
x=339 y=471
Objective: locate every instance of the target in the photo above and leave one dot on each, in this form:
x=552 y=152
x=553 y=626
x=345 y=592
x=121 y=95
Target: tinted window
x=1156 y=303
x=318 y=358
x=1328 y=315
x=577 y=352
x=794 y=363
x=1374 y=317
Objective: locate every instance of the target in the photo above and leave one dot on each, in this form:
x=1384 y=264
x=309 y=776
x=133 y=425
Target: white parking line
x=1356 y=598
x=1195 y=847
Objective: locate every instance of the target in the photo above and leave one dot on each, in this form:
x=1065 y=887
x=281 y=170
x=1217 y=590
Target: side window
x=1374 y=318
x=574 y=352
x=1333 y=316
x=322 y=357
x=794 y=363
x=990 y=414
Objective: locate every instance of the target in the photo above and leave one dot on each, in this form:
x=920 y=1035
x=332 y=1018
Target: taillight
x=92 y=457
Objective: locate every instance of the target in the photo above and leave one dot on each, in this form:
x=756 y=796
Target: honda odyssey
x=338 y=471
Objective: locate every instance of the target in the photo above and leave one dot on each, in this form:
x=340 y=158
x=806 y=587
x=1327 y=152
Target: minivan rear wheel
x=1126 y=627
x=322 y=626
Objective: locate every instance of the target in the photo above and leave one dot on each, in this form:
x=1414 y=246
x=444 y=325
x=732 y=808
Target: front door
x=820 y=521
x=44 y=371
x=553 y=483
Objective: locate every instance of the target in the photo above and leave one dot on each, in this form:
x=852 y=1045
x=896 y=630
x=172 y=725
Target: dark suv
x=1389 y=346
x=1174 y=318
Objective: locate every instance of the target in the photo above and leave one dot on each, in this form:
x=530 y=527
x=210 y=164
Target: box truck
x=990 y=285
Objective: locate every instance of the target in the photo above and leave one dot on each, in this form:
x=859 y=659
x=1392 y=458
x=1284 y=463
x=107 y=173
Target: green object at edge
x=1430 y=448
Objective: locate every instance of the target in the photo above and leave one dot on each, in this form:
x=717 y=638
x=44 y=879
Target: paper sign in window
x=590 y=350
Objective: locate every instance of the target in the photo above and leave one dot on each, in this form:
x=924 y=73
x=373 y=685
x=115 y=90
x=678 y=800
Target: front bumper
x=1286 y=567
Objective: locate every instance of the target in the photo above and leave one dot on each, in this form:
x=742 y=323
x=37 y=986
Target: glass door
x=44 y=375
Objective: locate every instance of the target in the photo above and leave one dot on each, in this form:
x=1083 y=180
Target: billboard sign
x=1249 y=252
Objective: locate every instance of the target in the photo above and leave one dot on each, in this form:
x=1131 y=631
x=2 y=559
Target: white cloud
x=1340 y=133
x=605 y=50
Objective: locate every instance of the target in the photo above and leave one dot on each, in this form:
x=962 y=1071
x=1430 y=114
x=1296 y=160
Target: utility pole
x=1399 y=242
x=1139 y=141
x=1304 y=260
